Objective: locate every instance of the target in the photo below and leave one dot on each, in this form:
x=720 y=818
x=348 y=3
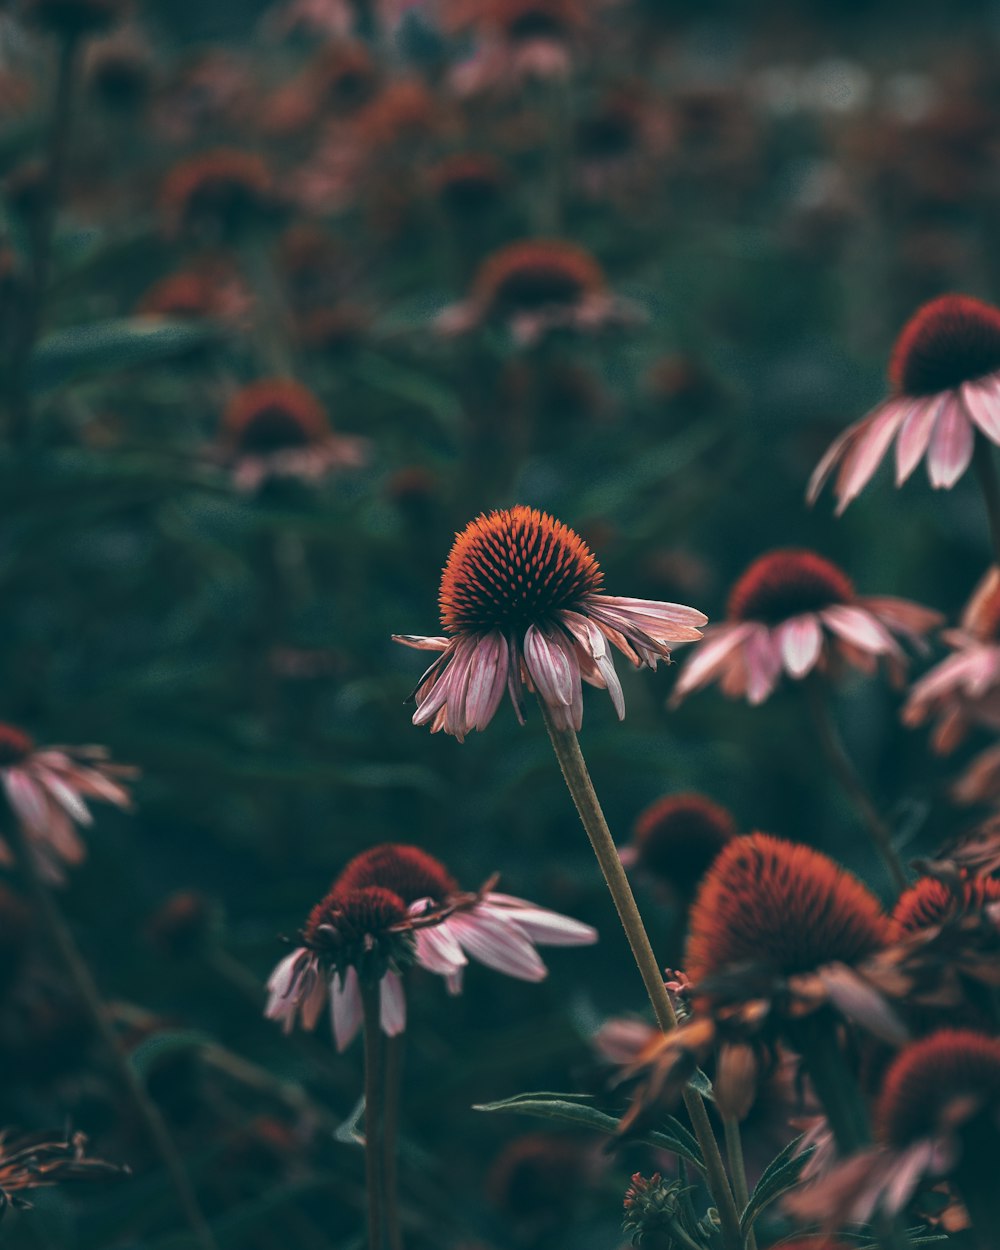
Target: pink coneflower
x=522 y=606
x=217 y=194
x=964 y=689
x=793 y=612
x=497 y=929
x=677 y=838
x=47 y=789
x=276 y=428
x=520 y=40
x=536 y=286
x=945 y=375
x=209 y=289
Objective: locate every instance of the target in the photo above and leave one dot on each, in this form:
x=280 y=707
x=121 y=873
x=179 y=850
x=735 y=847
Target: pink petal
x=836 y=451
x=345 y=1008
x=711 y=655
x=501 y=945
x=952 y=443
x=762 y=656
x=859 y=628
x=545 y=927
x=652 y=614
x=902 y=615
x=487 y=680
x=593 y=645
x=420 y=643
x=801 y=641
x=982 y=403
x=312 y=1004
x=26 y=798
x=437 y=949
x=549 y=668
x=914 y=436
x=392 y=1004
x=66 y=796
x=867 y=452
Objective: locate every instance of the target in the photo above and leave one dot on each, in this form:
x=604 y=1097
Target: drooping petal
x=26 y=798
x=952 y=444
x=592 y=646
x=914 y=435
x=654 y=614
x=65 y=795
x=801 y=642
x=487 y=680
x=868 y=451
x=437 y=949
x=912 y=620
x=835 y=452
x=500 y=944
x=982 y=402
x=710 y=657
x=420 y=643
x=860 y=629
x=545 y=927
x=392 y=1004
x=345 y=1007
x=549 y=668
x=762 y=656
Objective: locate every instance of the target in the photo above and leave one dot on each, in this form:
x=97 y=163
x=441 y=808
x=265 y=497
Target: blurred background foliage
x=776 y=187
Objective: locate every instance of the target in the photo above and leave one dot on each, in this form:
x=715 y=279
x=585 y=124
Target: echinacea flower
x=522 y=607
x=497 y=929
x=964 y=689
x=793 y=612
x=677 y=838
x=536 y=286
x=932 y=902
x=31 y=1161
x=937 y=1115
x=519 y=40
x=217 y=194
x=945 y=376
x=210 y=289
x=350 y=937
x=47 y=788
x=275 y=428
x=537 y=1177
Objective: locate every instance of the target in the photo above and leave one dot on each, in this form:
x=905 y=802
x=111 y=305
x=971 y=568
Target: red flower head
x=932 y=902
x=217 y=194
x=677 y=838
x=945 y=375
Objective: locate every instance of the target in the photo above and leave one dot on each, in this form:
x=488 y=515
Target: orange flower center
x=514 y=568
x=272 y=416
x=949 y=341
x=787 y=583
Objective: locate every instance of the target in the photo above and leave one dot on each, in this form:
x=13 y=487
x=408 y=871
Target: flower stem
x=374 y=1121
x=986 y=472
x=390 y=1129
x=64 y=946
x=574 y=771
x=851 y=783
x=737 y=1171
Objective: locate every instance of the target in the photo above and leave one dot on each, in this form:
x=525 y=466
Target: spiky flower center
x=514 y=568
x=951 y=340
x=787 y=583
x=679 y=836
x=932 y=1074
x=931 y=902
x=356 y=928
x=272 y=416
x=407 y=871
x=15 y=746
x=783 y=906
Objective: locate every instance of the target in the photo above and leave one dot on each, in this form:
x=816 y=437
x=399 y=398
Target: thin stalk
x=851 y=783
x=581 y=788
x=737 y=1171
x=986 y=472
x=64 y=946
x=374 y=1122
x=390 y=1131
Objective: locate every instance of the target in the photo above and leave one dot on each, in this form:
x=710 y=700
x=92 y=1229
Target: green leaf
x=574 y=1109
x=107 y=346
x=348 y=1132
x=780 y=1175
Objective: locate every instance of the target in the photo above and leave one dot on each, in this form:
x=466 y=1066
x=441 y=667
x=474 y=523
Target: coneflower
x=932 y=902
x=217 y=194
x=676 y=839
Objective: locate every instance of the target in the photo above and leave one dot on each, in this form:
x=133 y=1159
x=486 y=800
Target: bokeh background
x=775 y=187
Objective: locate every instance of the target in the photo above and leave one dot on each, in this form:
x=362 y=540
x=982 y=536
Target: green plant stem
x=394 y=1048
x=850 y=780
x=986 y=472
x=374 y=1121
x=574 y=771
x=64 y=946
x=737 y=1171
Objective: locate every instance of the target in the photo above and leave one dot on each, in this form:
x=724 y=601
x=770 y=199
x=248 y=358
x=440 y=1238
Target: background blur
x=775 y=189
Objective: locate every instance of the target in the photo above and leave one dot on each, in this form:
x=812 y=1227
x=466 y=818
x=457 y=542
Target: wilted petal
x=828 y=462
x=421 y=643
x=762 y=657
x=26 y=798
x=711 y=656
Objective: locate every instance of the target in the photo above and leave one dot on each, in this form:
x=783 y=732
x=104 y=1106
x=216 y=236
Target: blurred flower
x=212 y=94
x=209 y=289
x=468 y=185
x=497 y=929
x=538 y=1177
x=46 y=789
x=120 y=71
x=73 y=18
x=519 y=40
x=329 y=19
x=339 y=81
x=677 y=838
x=536 y=286
x=964 y=689
x=980 y=780
x=937 y=1115
x=933 y=902
x=791 y=612
x=945 y=375
x=40 y=1160
x=184 y=925
x=520 y=599
x=216 y=194
x=275 y=428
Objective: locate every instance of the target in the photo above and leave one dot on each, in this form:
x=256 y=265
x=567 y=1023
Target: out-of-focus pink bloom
x=47 y=791
x=275 y=428
x=945 y=375
x=793 y=612
x=517 y=41
x=210 y=289
x=964 y=689
x=521 y=600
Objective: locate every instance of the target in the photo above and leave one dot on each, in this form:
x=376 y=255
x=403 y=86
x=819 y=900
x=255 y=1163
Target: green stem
x=737 y=1171
x=390 y=1129
x=574 y=771
x=850 y=781
x=986 y=472
x=374 y=1122
x=64 y=946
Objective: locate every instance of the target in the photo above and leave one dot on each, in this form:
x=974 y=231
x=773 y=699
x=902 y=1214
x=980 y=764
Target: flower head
x=277 y=428
x=945 y=375
x=932 y=902
x=47 y=788
x=217 y=194
x=537 y=1177
x=522 y=606
x=468 y=184
x=793 y=611
x=677 y=838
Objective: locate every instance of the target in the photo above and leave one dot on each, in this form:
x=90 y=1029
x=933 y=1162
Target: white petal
x=914 y=435
x=547 y=928
x=952 y=443
x=499 y=944
x=982 y=403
